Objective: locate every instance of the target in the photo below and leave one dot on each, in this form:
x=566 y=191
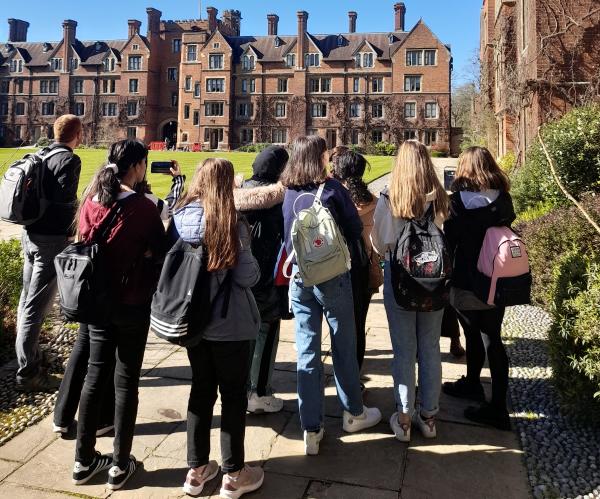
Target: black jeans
x=450 y=327
x=483 y=333
x=122 y=343
x=222 y=364
x=69 y=393
x=361 y=295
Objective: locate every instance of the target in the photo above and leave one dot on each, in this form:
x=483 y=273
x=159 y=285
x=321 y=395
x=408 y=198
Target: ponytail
x=349 y=168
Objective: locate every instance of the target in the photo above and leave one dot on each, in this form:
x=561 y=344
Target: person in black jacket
x=260 y=201
x=41 y=242
x=480 y=200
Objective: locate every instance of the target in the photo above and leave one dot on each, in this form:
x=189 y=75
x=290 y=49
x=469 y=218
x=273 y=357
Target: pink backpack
x=504 y=278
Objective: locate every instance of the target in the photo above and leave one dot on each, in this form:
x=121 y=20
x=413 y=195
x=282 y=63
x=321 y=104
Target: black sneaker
x=81 y=473
x=464 y=389
x=489 y=415
x=39 y=383
x=117 y=476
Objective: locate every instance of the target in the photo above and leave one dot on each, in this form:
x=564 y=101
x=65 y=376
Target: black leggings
x=361 y=296
x=483 y=334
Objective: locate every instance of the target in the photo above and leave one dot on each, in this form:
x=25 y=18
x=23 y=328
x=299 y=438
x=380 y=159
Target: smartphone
x=161 y=166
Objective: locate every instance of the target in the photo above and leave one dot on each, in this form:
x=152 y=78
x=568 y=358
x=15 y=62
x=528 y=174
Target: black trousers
x=483 y=334
x=450 y=327
x=120 y=343
x=69 y=393
x=223 y=365
x=361 y=296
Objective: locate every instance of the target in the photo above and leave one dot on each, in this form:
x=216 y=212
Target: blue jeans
x=414 y=333
x=333 y=299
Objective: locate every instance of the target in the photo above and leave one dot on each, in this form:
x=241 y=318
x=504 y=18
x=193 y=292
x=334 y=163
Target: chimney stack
x=273 y=22
x=69 y=35
x=17 y=30
x=212 y=18
x=301 y=45
x=134 y=27
x=154 y=16
x=352 y=21
x=400 y=15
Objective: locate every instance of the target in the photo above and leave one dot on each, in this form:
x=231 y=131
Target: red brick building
x=200 y=82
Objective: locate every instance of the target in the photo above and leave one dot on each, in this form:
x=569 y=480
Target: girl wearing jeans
x=305 y=172
x=206 y=215
x=134 y=246
x=414 y=186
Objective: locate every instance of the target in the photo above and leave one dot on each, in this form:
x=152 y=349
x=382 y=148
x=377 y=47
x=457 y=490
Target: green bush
x=573 y=142
x=382 y=149
x=258 y=147
x=508 y=162
x=43 y=142
x=11 y=267
x=356 y=148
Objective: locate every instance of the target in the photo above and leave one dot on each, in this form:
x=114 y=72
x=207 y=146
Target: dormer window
x=16 y=66
x=248 y=62
x=358 y=60
x=98 y=46
x=277 y=41
x=110 y=64
x=73 y=63
x=368 y=60
x=9 y=47
x=312 y=60
x=290 y=60
x=391 y=39
x=56 y=64
x=46 y=47
x=340 y=41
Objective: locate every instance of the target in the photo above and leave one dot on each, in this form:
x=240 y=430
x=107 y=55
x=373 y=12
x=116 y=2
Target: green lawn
x=92 y=159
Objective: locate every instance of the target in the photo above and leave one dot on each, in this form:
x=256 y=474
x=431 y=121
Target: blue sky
x=455 y=21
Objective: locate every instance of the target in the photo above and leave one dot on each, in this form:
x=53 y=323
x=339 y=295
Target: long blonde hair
x=478 y=171
x=413 y=178
x=213 y=186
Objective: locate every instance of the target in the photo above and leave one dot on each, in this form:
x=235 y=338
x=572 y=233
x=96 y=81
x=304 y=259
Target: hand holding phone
x=161 y=167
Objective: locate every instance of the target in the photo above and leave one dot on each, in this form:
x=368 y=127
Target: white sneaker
x=369 y=417
x=312 y=439
x=198 y=477
x=427 y=426
x=60 y=429
x=269 y=403
x=401 y=431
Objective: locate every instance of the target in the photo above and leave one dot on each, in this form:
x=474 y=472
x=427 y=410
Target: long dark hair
x=306 y=167
x=478 y=171
x=349 y=168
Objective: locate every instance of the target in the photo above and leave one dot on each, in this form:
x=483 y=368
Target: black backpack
x=181 y=306
x=421 y=266
x=82 y=277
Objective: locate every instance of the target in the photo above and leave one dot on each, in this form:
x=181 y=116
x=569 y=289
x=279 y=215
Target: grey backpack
x=22 y=197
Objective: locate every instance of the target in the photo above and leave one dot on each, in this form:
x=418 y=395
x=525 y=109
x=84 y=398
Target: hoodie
x=243 y=319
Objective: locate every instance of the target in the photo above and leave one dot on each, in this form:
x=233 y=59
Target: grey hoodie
x=243 y=319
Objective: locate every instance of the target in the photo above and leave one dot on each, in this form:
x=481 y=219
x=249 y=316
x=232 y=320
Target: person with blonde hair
x=415 y=193
x=206 y=215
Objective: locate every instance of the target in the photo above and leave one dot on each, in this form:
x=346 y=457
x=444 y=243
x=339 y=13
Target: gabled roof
x=263 y=46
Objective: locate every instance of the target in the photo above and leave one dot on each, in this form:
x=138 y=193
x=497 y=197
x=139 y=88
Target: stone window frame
x=210 y=58
x=414 y=106
x=210 y=78
x=76 y=111
x=277 y=105
x=407 y=76
x=320 y=114
x=437 y=110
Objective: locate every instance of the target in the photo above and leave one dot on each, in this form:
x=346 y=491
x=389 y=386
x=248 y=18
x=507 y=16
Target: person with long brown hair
x=206 y=215
x=480 y=200
x=414 y=193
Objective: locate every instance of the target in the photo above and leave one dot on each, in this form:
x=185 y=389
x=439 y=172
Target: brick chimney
x=301 y=45
x=233 y=20
x=69 y=35
x=154 y=16
x=134 y=27
x=212 y=18
x=17 y=30
x=352 y=21
x=400 y=15
x=273 y=22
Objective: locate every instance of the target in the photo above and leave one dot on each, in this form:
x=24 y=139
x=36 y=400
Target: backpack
x=181 y=306
x=22 y=197
x=82 y=277
x=503 y=277
x=319 y=246
x=421 y=266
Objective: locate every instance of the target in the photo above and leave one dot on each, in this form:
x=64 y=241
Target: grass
x=92 y=159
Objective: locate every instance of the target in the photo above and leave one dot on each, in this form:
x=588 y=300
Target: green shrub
x=573 y=142
x=258 y=147
x=382 y=149
x=356 y=148
x=11 y=267
x=508 y=162
x=43 y=142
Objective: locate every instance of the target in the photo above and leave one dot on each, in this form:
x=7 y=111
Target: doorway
x=214 y=138
x=331 y=139
x=169 y=133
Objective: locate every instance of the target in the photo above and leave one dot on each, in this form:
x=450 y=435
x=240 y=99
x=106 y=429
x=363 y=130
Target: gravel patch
x=561 y=454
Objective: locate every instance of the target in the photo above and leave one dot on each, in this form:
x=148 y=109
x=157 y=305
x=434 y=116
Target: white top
x=473 y=200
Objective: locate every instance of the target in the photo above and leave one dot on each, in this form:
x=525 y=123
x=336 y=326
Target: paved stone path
x=466 y=460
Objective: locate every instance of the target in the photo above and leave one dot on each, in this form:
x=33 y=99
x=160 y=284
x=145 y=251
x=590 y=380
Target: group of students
x=244 y=231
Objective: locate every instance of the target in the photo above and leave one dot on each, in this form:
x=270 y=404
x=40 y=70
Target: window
x=188 y=83
x=414 y=57
x=320 y=84
x=196 y=119
x=186 y=112
x=357 y=61
x=197 y=89
x=207 y=132
x=19 y=86
x=430 y=58
x=377 y=85
x=252 y=84
x=16 y=66
x=410 y=110
x=48 y=86
x=376 y=136
x=109 y=86
x=354 y=137
x=109 y=64
x=132 y=108
x=3 y=108
x=109 y=109
x=247 y=135
x=191 y=52
x=73 y=63
x=56 y=64
x=368 y=60
x=430 y=137
x=282 y=85
x=312 y=131
x=312 y=60
x=213 y=109
x=248 y=86
x=18 y=131
x=135 y=46
x=216 y=45
x=176 y=45
x=431 y=110
x=184 y=137
x=172 y=74
x=215 y=61
x=412 y=83
x=290 y=60
x=280 y=136
x=133 y=86
x=47 y=108
x=134 y=63
x=244 y=86
x=318 y=110
x=245 y=110
x=43 y=87
x=356 y=85
x=174 y=99
x=79 y=108
x=131 y=132
x=248 y=62
x=215 y=85
x=354 y=110
x=280 y=110
x=377 y=110
x=410 y=135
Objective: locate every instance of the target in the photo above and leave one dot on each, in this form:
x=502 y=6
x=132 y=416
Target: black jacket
x=61 y=180
x=465 y=231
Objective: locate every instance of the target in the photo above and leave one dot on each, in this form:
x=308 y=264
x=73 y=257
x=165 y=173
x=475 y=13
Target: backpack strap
x=320 y=192
x=53 y=152
x=109 y=220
